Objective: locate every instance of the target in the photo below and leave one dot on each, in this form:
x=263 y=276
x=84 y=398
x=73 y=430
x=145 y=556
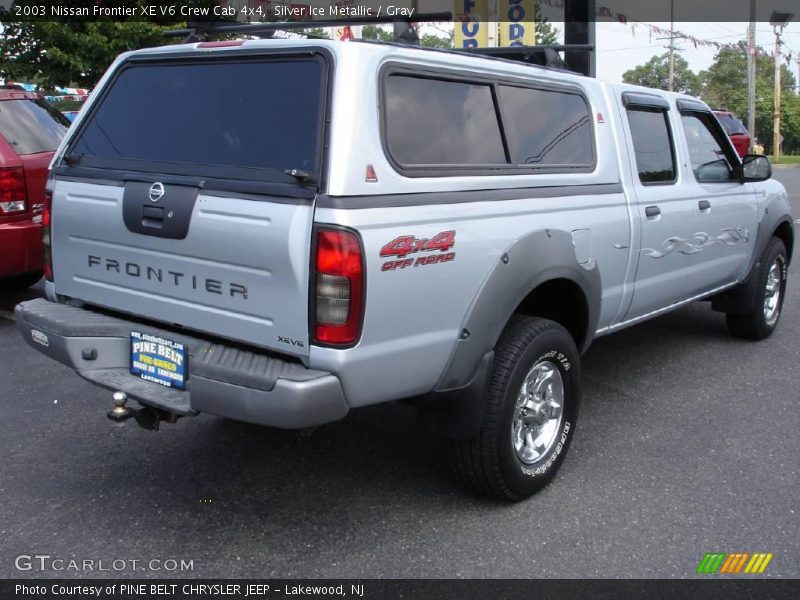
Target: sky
x=620 y=49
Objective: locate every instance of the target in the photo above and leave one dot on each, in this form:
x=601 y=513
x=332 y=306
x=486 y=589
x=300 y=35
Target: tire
x=536 y=351
x=19 y=282
x=770 y=280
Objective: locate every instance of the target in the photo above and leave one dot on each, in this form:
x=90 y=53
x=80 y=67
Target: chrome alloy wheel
x=538 y=412
x=772 y=291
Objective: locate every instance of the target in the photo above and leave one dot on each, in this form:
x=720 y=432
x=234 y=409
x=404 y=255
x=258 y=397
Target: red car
x=735 y=130
x=30 y=131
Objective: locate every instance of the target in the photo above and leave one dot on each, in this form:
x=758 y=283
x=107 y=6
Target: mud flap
x=457 y=414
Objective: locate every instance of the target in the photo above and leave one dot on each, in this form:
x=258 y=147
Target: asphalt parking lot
x=688 y=443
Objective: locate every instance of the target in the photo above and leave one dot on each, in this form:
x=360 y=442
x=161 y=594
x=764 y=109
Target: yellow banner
x=517 y=22
x=471 y=26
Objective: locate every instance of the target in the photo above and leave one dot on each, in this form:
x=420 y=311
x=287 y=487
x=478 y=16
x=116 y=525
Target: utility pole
x=492 y=24
x=751 y=74
x=798 y=75
x=671 y=44
x=776 y=122
x=778 y=22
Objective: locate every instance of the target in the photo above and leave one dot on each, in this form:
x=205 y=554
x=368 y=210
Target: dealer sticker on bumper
x=158 y=360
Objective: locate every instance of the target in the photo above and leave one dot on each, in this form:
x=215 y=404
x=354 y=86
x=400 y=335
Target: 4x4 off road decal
x=403 y=246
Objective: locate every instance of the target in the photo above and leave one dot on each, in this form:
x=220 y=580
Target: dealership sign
x=517 y=22
x=471 y=27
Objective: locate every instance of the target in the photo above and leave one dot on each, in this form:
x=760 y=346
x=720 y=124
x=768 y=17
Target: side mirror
x=756 y=167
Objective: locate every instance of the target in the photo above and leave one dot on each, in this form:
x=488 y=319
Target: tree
x=655 y=74
x=428 y=40
x=724 y=85
x=318 y=32
x=545 y=32
x=77 y=52
x=376 y=32
x=69 y=52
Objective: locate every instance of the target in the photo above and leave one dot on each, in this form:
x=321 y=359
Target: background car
x=735 y=130
x=30 y=130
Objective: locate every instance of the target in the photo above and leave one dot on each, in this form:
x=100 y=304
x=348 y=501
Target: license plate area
x=158 y=360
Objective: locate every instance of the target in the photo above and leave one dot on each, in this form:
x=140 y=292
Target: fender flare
x=530 y=261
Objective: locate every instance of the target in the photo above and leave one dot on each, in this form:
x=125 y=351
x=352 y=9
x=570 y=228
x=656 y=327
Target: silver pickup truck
x=278 y=232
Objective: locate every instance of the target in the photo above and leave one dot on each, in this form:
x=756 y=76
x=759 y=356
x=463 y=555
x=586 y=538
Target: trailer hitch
x=147 y=417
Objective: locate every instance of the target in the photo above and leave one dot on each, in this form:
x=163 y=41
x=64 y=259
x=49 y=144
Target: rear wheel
x=530 y=413
x=19 y=282
x=762 y=319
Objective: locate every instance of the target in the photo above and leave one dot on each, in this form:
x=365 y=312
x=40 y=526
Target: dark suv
x=30 y=131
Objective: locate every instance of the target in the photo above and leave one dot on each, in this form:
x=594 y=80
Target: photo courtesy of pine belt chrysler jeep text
x=356 y=223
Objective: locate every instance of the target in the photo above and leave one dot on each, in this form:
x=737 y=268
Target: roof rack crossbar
x=202 y=30
x=513 y=50
x=545 y=55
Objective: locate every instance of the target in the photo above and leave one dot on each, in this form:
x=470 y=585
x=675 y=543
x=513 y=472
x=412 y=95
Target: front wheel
x=530 y=413
x=762 y=319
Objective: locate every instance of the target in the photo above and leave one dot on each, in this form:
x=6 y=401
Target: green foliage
x=427 y=40
x=76 y=51
x=655 y=74
x=66 y=105
x=545 y=32
x=69 y=52
x=318 y=32
x=376 y=32
x=725 y=86
x=435 y=41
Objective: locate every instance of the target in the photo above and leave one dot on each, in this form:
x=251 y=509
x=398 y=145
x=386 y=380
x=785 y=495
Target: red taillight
x=46 y=237
x=339 y=287
x=12 y=190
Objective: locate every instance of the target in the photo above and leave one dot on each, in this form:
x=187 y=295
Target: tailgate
x=241 y=271
x=192 y=206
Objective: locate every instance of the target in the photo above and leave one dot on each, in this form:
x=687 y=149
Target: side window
x=546 y=127
x=438 y=122
x=711 y=159
x=652 y=144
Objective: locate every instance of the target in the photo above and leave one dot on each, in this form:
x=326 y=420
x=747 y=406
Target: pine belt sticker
x=433 y=250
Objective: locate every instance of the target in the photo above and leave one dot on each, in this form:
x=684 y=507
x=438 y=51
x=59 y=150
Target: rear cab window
x=437 y=125
x=652 y=145
x=31 y=126
x=244 y=118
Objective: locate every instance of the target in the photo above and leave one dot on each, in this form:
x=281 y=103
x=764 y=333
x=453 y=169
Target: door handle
x=704 y=205
x=652 y=211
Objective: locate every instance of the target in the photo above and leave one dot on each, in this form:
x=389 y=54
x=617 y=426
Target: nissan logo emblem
x=156 y=191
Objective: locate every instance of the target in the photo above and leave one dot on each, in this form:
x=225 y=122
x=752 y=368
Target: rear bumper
x=228 y=381
x=22 y=248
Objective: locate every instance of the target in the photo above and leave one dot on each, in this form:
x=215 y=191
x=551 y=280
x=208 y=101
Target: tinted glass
x=31 y=126
x=652 y=143
x=436 y=122
x=731 y=124
x=546 y=127
x=239 y=114
x=710 y=160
